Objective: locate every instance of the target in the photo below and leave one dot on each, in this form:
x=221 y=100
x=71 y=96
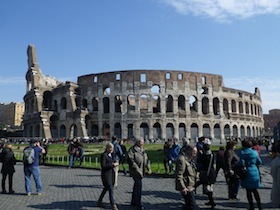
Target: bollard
x=96 y=161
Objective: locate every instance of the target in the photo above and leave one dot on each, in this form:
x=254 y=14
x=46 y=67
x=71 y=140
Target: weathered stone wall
x=154 y=104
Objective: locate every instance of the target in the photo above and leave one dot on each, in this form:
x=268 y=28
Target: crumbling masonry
x=154 y=104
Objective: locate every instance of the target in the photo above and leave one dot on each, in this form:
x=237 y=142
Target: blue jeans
x=109 y=188
x=72 y=159
x=137 y=192
x=190 y=203
x=35 y=171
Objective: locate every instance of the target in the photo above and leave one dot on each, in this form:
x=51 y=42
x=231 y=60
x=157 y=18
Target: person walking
x=173 y=154
x=250 y=159
x=231 y=160
x=220 y=161
x=166 y=151
x=275 y=173
x=123 y=158
x=80 y=151
x=185 y=176
x=33 y=168
x=209 y=175
x=118 y=154
x=8 y=169
x=138 y=163
x=108 y=165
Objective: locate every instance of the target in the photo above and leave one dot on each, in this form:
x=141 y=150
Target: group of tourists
x=193 y=166
x=137 y=160
x=31 y=157
x=75 y=150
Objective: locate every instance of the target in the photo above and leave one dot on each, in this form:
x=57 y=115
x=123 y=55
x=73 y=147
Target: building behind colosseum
x=154 y=104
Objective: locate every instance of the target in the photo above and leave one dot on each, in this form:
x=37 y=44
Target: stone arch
x=242 y=132
x=169 y=103
x=54 y=119
x=118 y=130
x=62 y=131
x=107 y=91
x=130 y=133
x=206 y=130
x=63 y=103
x=106 y=130
x=169 y=131
x=85 y=103
x=181 y=103
x=94 y=130
x=106 y=105
x=144 y=102
x=233 y=106
x=249 y=134
x=193 y=103
x=216 y=106
x=246 y=107
x=88 y=124
x=225 y=106
x=118 y=103
x=194 y=131
x=55 y=106
x=155 y=89
x=217 y=131
x=37 y=131
x=156 y=104
x=144 y=131
x=234 y=131
x=157 y=132
x=240 y=107
x=205 y=105
x=47 y=100
x=227 y=131
x=94 y=104
x=182 y=131
x=131 y=102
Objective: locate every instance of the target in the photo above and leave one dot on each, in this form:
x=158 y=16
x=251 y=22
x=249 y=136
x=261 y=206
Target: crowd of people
x=193 y=165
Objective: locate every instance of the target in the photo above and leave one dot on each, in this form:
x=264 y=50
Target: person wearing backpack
x=31 y=166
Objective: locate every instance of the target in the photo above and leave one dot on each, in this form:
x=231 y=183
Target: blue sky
x=236 y=39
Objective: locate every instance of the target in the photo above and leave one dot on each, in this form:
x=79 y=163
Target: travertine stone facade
x=11 y=114
x=155 y=104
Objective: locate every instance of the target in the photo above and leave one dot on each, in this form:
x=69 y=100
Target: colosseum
x=154 y=104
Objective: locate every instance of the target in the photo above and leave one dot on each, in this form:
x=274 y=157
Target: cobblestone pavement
x=79 y=189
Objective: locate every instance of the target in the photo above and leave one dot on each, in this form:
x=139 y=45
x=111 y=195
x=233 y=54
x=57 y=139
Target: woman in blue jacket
x=250 y=158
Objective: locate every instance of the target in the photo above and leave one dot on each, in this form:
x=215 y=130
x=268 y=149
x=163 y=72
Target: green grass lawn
x=57 y=154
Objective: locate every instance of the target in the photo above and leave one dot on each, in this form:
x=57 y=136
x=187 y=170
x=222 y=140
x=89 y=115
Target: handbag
x=241 y=172
x=204 y=175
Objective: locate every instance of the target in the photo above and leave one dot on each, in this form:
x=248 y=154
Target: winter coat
x=137 y=159
x=174 y=151
x=186 y=173
x=9 y=161
x=231 y=159
x=250 y=158
x=205 y=160
x=107 y=169
x=275 y=173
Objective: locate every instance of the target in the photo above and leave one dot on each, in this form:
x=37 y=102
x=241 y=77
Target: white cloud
x=12 y=80
x=225 y=10
x=268 y=88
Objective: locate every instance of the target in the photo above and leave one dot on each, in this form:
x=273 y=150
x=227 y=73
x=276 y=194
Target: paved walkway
x=78 y=189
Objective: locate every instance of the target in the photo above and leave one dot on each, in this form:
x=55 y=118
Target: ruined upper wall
x=152 y=77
